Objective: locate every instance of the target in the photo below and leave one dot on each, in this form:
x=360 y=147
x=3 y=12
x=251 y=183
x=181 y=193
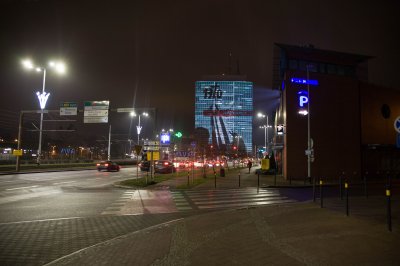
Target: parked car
x=144 y=166
x=164 y=167
x=108 y=166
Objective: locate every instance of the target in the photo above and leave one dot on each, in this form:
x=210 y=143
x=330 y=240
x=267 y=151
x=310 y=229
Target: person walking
x=249 y=165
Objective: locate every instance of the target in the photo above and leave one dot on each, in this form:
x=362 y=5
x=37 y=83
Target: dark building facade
x=351 y=121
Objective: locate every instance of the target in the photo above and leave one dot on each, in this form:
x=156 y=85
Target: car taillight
x=106 y=165
x=165 y=163
x=98 y=164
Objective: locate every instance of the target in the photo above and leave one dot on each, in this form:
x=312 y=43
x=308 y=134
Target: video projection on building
x=225 y=109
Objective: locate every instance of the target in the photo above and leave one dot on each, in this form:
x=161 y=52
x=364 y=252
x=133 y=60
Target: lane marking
x=21 y=188
x=66 y=182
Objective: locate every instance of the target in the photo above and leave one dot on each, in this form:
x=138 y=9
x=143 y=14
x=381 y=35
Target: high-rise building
x=224 y=108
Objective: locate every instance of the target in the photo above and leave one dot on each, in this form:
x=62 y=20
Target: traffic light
x=178 y=134
x=235 y=148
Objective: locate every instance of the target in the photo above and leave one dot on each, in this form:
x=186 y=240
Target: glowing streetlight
x=60 y=68
x=138 y=127
x=265 y=127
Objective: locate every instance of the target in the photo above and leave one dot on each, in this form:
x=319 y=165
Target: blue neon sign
x=313 y=82
x=303 y=99
x=165 y=138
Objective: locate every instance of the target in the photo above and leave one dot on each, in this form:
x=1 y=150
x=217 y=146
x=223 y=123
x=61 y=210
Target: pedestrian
x=249 y=165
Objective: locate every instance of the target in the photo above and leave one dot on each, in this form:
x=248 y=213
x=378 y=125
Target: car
x=108 y=166
x=164 y=167
x=144 y=166
x=199 y=164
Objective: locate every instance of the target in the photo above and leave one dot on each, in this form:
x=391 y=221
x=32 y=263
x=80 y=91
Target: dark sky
x=150 y=53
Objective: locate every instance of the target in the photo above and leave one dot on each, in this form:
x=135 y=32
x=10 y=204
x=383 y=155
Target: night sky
x=149 y=53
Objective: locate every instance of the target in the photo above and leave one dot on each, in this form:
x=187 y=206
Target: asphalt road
x=37 y=196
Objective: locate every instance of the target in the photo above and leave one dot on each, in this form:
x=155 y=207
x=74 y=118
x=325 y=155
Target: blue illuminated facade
x=225 y=109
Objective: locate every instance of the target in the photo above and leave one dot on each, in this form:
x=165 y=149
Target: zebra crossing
x=118 y=204
x=228 y=198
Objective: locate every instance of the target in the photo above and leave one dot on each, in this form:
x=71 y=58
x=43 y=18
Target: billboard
x=225 y=110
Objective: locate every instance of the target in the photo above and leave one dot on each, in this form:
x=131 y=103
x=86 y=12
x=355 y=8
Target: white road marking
x=21 y=188
x=66 y=182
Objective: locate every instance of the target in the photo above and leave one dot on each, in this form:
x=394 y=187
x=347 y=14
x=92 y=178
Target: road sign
x=151 y=143
x=96 y=112
x=90 y=120
x=17 y=152
x=68 y=108
x=156 y=156
x=151 y=148
x=165 y=138
x=138 y=149
x=125 y=110
x=397 y=124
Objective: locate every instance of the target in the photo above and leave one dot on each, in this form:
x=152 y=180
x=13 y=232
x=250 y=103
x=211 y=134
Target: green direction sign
x=69 y=104
x=68 y=108
x=96 y=112
x=97 y=103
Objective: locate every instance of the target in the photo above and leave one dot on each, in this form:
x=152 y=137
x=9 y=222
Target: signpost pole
x=109 y=144
x=21 y=115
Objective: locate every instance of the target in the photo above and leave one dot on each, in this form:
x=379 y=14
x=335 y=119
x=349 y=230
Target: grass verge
x=145 y=181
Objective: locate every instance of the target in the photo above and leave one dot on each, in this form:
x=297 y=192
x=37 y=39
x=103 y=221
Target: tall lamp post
x=265 y=127
x=139 y=127
x=309 y=144
x=43 y=96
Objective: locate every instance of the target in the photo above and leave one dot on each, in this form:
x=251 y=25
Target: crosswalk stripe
x=212 y=199
x=232 y=196
x=246 y=199
x=244 y=204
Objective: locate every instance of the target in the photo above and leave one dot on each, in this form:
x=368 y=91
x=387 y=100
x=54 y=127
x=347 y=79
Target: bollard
x=188 y=178
x=389 y=210
x=341 y=186
x=346 y=187
x=215 y=179
x=239 y=179
x=365 y=185
x=314 y=194
x=389 y=178
x=321 y=194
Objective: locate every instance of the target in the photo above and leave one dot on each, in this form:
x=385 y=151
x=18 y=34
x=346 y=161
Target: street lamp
x=138 y=127
x=309 y=154
x=266 y=137
x=59 y=67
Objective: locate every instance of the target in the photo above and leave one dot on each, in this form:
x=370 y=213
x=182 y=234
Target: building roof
x=224 y=78
x=311 y=53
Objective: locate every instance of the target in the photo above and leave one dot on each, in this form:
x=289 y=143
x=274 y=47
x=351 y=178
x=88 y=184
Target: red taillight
x=106 y=165
x=98 y=164
x=166 y=163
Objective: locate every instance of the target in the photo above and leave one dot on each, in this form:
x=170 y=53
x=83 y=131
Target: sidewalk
x=286 y=234
x=231 y=180
x=294 y=234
